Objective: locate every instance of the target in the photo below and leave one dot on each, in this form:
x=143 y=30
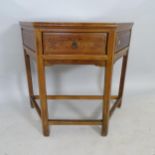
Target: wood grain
x=74 y=43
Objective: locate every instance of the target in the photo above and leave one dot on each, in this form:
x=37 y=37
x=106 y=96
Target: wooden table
x=100 y=44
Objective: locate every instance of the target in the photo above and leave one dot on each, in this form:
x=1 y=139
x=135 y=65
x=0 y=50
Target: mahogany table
x=100 y=44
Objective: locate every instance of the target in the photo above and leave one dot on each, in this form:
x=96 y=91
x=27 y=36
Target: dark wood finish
x=100 y=44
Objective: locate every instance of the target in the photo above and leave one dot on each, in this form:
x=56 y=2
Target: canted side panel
x=122 y=40
x=29 y=39
x=74 y=43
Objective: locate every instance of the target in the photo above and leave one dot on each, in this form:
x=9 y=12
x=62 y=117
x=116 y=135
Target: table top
x=38 y=24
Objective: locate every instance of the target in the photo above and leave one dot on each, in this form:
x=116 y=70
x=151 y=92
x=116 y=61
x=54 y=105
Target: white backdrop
x=76 y=79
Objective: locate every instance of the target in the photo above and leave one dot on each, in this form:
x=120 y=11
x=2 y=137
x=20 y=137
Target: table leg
x=43 y=96
x=107 y=94
x=108 y=83
x=29 y=76
x=122 y=79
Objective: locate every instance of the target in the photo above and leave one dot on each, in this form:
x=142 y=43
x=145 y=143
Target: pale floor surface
x=132 y=130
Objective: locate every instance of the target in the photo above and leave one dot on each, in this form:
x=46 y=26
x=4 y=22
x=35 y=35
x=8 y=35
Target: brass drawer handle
x=74 y=44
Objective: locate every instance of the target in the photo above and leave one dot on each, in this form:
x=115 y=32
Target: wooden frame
x=115 y=51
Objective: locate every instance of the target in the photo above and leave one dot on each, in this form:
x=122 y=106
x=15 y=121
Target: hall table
x=100 y=44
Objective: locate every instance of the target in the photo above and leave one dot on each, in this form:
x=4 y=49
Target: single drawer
x=122 y=40
x=74 y=43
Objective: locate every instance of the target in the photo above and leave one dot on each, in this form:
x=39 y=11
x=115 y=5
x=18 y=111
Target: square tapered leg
x=29 y=77
x=108 y=83
x=43 y=98
x=122 y=79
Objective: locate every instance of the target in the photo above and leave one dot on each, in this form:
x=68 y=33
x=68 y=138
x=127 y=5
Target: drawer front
x=74 y=43
x=122 y=40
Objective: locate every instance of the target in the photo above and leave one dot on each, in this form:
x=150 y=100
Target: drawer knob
x=74 y=44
